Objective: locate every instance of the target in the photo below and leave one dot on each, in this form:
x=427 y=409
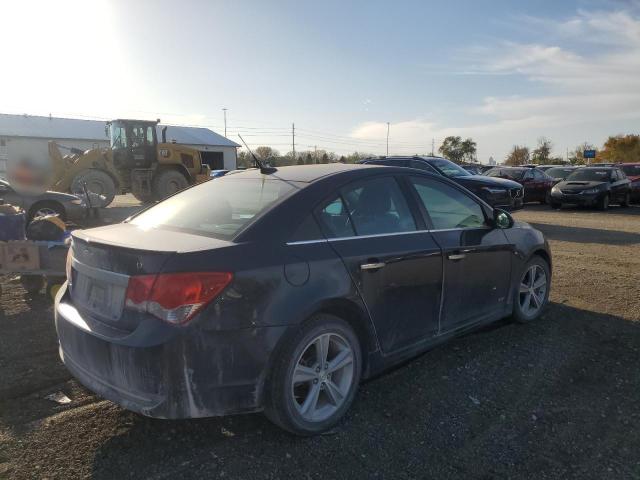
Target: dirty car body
x=69 y=207
x=125 y=332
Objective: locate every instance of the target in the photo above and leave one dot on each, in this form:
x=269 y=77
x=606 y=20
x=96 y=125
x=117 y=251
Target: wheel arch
x=541 y=252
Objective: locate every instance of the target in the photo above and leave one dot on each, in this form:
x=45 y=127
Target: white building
x=27 y=137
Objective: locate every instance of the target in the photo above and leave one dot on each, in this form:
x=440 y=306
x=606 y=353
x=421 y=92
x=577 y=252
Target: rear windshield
x=590 y=175
x=449 y=169
x=631 y=170
x=218 y=208
x=512 y=173
x=559 y=172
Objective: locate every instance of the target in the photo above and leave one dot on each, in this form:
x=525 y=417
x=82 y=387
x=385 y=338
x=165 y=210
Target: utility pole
x=293 y=141
x=315 y=154
x=433 y=145
x=225 y=121
x=387 y=139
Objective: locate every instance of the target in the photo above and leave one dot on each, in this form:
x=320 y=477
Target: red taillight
x=175 y=297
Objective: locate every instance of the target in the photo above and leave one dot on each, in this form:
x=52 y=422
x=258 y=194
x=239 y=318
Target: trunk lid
x=103 y=260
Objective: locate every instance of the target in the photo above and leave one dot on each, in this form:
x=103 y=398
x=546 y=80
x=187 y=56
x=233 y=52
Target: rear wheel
x=168 y=182
x=98 y=182
x=532 y=291
x=547 y=198
x=315 y=377
x=603 y=203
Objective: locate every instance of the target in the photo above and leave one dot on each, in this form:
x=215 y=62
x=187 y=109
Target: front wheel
x=532 y=291
x=314 y=377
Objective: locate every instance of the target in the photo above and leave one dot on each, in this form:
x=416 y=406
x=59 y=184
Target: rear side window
x=448 y=207
x=378 y=206
x=335 y=219
x=216 y=209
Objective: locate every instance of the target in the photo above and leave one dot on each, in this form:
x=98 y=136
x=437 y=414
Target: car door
x=530 y=194
x=394 y=262
x=542 y=182
x=476 y=256
x=619 y=185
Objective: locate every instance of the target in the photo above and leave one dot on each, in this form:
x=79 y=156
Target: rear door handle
x=456 y=256
x=372 y=266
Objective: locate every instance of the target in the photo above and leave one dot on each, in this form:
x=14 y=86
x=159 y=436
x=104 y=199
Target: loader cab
x=133 y=143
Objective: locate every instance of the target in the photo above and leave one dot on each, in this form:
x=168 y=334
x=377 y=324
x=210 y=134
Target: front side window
x=448 y=207
x=378 y=206
x=631 y=170
x=217 y=209
x=335 y=219
x=118 y=136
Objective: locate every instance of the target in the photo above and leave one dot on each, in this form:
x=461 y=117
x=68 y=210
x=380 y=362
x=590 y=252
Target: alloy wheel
x=323 y=377
x=533 y=290
x=41 y=212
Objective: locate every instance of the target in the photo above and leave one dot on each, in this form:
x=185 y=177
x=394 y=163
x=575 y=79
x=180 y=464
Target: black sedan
x=496 y=192
x=593 y=186
x=289 y=290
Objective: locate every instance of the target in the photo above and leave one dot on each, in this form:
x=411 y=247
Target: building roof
x=76 y=129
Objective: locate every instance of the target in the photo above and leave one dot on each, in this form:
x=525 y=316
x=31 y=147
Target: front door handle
x=456 y=256
x=372 y=266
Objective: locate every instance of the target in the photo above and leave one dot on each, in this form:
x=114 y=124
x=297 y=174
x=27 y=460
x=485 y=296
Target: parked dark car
x=473 y=169
x=593 y=186
x=560 y=173
x=496 y=192
x=632 y=171
x=288 y=290
x=67 y=207
x=537 y=184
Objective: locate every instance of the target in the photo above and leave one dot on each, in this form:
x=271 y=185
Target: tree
x=576 y=157
x=300 y=161
x=621 y=148
x=309 y=159
x=266 y=153
x=542 y=154
x=517 y=156
x=458 y=150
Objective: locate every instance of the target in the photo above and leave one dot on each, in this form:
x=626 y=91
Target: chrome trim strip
x=356 y=237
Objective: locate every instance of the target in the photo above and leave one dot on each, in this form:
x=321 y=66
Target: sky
x=504 y=73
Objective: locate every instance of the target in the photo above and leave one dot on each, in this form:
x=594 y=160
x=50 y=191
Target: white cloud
x=589 y=66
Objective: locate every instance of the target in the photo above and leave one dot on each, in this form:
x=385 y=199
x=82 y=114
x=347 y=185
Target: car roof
x=303 y=173
x=402 y=157
x=604 y=167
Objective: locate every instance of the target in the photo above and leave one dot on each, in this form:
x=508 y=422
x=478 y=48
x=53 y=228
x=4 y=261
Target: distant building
x=27 y=137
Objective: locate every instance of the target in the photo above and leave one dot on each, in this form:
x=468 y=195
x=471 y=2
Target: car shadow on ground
x=554 y=398
x=587 y=235
x=613 y=210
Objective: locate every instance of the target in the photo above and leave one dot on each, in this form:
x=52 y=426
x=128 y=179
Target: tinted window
x=538 y=175
x=590 y=175
x=448 y=168
x=559 y=172
x=218 y=209
x=335 y=219
x=378 y=206
x=307 y=230
x=422 y=166
x=512 y=173
x=631 y=170
x=447 y=206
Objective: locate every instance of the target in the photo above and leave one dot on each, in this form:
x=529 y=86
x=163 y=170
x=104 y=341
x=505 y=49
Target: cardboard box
x=21 y=256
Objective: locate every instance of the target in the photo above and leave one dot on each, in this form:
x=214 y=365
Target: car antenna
x=263 y=168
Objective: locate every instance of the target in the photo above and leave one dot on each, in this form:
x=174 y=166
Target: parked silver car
x=68 y=207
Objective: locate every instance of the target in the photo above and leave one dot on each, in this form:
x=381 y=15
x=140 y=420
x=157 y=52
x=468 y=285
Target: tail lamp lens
x=175 y=297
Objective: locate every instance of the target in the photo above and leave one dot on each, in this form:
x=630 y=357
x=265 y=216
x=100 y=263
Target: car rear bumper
x=190 y=374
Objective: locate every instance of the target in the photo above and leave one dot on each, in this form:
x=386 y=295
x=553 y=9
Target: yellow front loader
x=135 y=163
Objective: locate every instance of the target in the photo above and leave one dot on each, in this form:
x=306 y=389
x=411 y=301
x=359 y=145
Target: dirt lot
x=559 y=398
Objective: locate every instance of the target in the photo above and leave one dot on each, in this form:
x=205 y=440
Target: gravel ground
x=553 y=399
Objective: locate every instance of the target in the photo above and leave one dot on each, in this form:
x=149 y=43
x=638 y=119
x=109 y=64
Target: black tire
x=167 y=182
x=32 y=283
x=46 y=208
x=143 y=198
x=626 y=201
x=519 y=313
x=98 y=182
x=280 y=405
x=555 y=205
x=603 y=203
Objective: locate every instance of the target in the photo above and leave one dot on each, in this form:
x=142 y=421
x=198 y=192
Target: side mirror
x=502 y=219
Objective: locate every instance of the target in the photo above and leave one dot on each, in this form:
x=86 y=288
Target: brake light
x=175 y=297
